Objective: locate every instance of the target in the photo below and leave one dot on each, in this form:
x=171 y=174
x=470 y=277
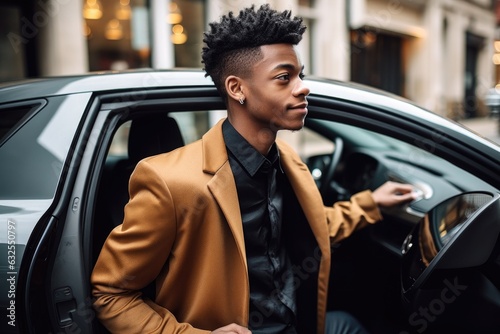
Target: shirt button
x=266 y=166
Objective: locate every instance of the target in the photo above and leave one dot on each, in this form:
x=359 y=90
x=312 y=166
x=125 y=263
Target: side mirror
x=460 y=232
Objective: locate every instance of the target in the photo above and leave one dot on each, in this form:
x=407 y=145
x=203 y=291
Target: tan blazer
x=182 y=228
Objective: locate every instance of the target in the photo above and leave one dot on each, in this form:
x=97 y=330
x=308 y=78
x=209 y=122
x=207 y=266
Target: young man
x=231 y=228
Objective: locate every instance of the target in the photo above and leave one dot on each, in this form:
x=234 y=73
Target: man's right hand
x=232 y=329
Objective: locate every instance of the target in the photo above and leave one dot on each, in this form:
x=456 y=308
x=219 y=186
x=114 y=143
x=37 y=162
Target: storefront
x=64 y=37
x=120 y=33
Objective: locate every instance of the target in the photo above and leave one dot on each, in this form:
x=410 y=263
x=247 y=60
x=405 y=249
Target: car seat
x=149 y=135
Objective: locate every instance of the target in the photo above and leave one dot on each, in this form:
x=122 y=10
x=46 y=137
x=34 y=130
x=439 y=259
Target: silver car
x=69 y=144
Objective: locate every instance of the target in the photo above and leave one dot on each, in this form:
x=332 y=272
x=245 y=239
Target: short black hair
x=233 y=43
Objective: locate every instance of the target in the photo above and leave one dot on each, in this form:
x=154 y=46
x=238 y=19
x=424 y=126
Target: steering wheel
x=331 y=166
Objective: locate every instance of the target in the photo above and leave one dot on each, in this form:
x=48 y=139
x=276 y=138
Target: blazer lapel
x=222 y=185
x=223 y=188
x=307 y=194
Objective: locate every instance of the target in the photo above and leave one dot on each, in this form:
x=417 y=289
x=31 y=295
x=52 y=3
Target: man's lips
x=299 y=107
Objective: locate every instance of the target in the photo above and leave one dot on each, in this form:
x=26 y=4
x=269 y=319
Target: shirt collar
x=248 y=157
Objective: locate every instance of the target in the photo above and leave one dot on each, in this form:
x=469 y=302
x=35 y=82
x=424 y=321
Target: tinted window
x=33 y=154
x=13 y=116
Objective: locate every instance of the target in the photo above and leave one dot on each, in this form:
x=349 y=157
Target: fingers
x=403 y=188
x=393 y=193
x=409 y=196
x=232 y=329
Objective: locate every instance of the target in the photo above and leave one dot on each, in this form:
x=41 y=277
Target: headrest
x=153 y=134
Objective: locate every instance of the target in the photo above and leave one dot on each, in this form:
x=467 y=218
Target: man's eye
x=302 y=76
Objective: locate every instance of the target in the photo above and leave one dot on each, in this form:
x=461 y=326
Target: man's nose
x=302 y=88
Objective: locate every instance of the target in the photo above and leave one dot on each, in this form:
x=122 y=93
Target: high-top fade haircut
x=232 y=45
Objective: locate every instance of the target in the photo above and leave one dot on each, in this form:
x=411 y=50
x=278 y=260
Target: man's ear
x=234 y=88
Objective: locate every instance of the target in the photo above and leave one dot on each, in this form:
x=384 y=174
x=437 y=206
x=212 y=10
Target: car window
x=118 y=146
x=307 y=142
x=38 y=146
x=12 y=117
x=192 y=124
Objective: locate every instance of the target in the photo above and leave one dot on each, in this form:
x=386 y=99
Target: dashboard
x=434 y=179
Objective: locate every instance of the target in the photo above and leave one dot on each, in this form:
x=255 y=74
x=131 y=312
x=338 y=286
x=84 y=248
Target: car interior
x=367 y=268
x=148 y=135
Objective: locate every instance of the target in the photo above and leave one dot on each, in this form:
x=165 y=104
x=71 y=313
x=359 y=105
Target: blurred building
x=496 y=56
x=437 y=53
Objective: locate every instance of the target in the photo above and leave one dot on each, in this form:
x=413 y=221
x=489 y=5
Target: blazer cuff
x=365 y=201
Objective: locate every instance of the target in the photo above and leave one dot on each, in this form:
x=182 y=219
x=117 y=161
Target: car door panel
x=40 y=145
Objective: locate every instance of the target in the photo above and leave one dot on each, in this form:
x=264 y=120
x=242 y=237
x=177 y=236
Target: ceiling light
x=174 y=14
x=92 y=10
x=114 y=30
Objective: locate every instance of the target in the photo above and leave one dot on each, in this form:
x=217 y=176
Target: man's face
x=275 y=95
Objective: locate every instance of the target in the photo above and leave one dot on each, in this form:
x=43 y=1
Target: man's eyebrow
x=288 y=66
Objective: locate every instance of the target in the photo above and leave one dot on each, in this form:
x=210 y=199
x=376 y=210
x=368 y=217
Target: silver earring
x=242 y=101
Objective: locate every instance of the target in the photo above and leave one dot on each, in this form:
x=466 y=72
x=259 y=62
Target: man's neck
x=261 y=139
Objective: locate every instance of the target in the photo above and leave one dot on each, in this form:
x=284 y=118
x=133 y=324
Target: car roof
x=135 y=79
x=101 y=82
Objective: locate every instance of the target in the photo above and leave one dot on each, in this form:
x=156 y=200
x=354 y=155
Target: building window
x=118 y=34
x=306 y=3
x=187 y=31
x=377 y=60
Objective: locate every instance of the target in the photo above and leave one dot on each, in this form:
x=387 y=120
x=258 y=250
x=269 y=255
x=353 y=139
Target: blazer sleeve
x=345 y=217
x=133 y=255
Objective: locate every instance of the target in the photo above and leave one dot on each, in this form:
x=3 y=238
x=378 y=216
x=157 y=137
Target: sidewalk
x=483 y=126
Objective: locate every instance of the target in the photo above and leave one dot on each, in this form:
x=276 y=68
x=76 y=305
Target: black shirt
x=259 y=182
